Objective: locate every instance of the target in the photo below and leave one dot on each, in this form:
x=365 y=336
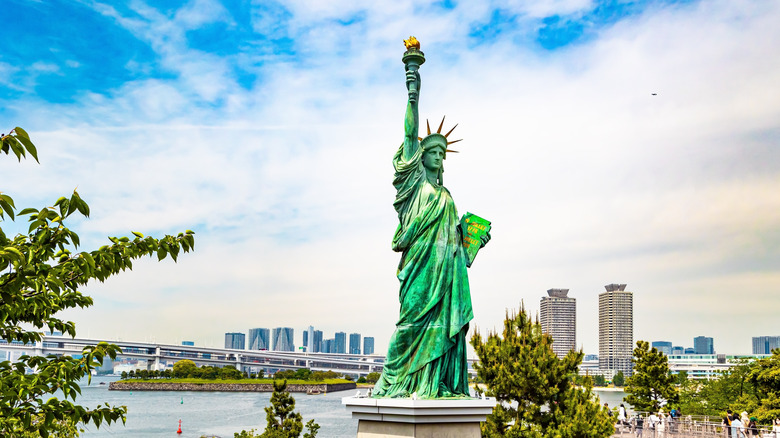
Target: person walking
x=776 y=428
x=652 y=423
x=752 y=427
x=639 y=423
x=727 y=422
x=736 y=427
x=661 y=426
x=622 y=417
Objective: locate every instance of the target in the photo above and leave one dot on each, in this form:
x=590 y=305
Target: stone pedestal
x=396 y=418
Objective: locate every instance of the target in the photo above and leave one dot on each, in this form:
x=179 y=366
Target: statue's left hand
x=485 y=239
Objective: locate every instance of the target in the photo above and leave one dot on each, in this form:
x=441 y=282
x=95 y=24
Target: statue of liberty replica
x=426 y=358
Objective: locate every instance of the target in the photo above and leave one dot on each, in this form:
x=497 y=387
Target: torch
x=413 y=58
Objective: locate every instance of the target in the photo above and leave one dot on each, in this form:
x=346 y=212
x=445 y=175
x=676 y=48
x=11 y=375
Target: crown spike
x=428 y=125
x=454 y=141
x=453 y=128
x=441 y=125
x=449 y=150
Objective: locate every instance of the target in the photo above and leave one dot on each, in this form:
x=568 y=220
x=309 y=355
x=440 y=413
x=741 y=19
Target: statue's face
x=432 y=158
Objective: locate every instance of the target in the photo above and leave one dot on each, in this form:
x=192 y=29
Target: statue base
x=396 y=418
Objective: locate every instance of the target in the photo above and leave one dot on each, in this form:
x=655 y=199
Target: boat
x=313 y=392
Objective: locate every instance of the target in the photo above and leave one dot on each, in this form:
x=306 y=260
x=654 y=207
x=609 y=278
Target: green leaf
x=21 y=132
x=30 y=147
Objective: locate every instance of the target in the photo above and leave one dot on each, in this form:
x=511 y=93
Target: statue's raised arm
x=413 y=59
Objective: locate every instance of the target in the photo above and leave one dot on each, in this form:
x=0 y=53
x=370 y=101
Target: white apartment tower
x=616 y=330
x=558 y=317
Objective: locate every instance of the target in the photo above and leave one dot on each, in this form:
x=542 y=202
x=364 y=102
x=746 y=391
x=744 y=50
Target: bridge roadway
x=158 y=356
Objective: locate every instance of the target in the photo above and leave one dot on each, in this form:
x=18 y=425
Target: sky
x=632 y=142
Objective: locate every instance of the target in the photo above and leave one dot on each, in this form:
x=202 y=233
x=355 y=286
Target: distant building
x=765 y=344
x=689 y=350
x=591 y=357
x=664 y=347
x=703 y=345
x=616 y=330
x=368 y=345
x=283 y=339
x=341 y=343
x=708 y=366
x=678 y=350
x=189 y=343
x=308 y=341
x=235 y=341
x=328 y=346
x=259 y=339
x=354 y=343
x=558 y=318
x=317 y=344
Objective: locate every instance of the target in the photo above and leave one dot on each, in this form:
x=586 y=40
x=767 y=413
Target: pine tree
x=651 y=384
x=282 y=420
x=535 y=388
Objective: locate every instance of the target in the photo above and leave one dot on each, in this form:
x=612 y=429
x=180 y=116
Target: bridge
x=159 y=356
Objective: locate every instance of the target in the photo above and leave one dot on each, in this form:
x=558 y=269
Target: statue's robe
x=427 y=353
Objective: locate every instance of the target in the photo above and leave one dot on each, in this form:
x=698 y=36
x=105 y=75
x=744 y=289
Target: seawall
x=226 y=387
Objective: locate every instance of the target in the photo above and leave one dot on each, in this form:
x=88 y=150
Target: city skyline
x=606 y=141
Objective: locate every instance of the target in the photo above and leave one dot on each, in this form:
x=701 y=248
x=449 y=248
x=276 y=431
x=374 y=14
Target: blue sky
x=268 y=128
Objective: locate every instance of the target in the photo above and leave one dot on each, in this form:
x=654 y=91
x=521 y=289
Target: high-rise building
x=558 y=317
x=283 y=339
x=664 y=347
x=328 y=346
x=235 y=341
x=354 y=343
x=308 y=341
x=689 y=350
x=368 y=345
x=341 y=343
x=616 y=330
x=678 y=350
x=317 y=345
x=765 y=344
x=259 y=339
x=703 y=345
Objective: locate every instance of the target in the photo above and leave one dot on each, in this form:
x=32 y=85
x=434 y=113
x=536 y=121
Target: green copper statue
x=427 y=353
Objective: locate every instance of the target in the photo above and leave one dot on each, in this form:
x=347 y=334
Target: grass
x=238 y=381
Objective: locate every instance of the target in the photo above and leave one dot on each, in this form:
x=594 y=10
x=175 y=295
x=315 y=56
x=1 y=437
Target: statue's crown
x=437 y=138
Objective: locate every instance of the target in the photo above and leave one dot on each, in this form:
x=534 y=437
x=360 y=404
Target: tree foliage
x=282 y=420
x=752 y=386
x=42 y=272
x=619 y=379
x=651 y=384
x=535 y=388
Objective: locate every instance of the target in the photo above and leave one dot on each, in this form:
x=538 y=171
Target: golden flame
x=412 y=43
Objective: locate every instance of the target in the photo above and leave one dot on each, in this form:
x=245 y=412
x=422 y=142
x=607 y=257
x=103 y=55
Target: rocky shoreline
x=226 y=387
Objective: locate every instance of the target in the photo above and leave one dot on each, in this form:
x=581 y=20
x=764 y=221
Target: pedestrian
x=776 y=428
x=652 y=423
x=727 y=422
x=639 y=423
x=736 y=427
x=670 y=423
x=661 y=426
x=752 y=427
x=622 y=416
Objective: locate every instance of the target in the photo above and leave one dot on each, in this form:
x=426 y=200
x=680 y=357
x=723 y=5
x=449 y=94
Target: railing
x=687 y=426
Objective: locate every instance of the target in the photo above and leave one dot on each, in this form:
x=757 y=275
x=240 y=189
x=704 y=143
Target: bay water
x=153 y=414
x=156 y=414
